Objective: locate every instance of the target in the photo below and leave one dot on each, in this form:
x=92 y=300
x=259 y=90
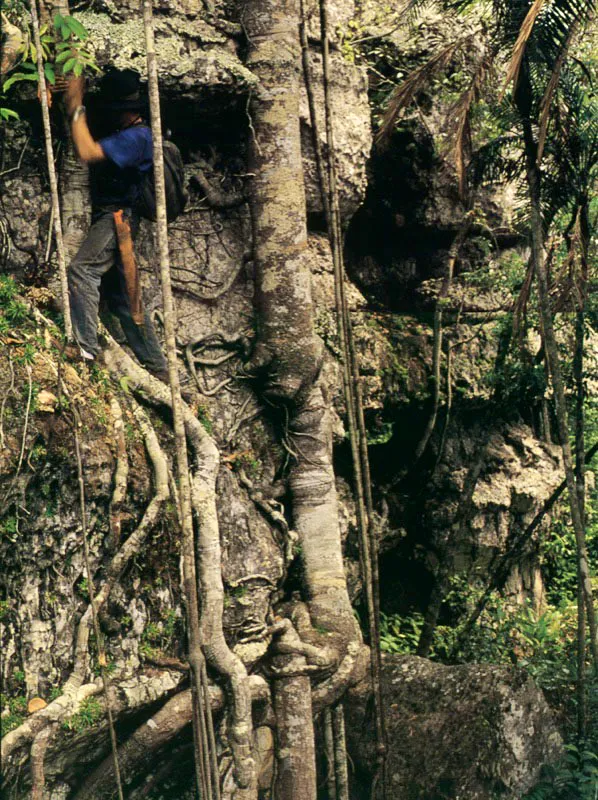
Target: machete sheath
x=129 y=265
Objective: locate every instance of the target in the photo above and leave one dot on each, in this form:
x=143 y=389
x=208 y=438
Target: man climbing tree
x=118 y=163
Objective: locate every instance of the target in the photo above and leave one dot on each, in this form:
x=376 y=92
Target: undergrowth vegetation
x=541 y=641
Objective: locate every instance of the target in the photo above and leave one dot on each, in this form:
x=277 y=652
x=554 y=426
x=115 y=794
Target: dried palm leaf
x=403 y=95
x=546 y=103
x=462 y=110
x=520 y=306
x=572 y=280
x=521 y=43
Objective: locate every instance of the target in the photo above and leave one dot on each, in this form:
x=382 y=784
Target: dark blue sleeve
x=129 y=148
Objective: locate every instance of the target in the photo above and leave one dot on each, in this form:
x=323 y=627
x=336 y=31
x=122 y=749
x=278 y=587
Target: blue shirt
x=130 y=148
x=129 y=155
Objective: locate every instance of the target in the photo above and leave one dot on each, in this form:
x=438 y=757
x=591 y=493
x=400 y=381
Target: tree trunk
x=60 y=247
x=581 y=220
x=537 y=234
x=288 y=355
x=445 y=289
x=287 y=350
x=581 y=492
x=295 y=751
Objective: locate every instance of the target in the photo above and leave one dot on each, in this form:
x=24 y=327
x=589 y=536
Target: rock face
x=514 y=474
x=205 y=88
x=469 y=732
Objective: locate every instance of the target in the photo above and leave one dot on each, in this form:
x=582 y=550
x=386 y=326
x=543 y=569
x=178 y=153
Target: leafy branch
x=64 y=51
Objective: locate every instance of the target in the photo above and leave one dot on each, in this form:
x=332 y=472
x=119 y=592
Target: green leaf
x=18 y=76
x=50 y=74
x=58 y=20
x=33 y=51
x=63 y=56
x=79 y=30
x=8 y=113
x=69 y=65
x=78 y=69
x=124 y=383
x=65 y=32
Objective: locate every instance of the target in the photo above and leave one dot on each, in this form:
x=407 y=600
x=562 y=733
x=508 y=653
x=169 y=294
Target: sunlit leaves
x=64 y=51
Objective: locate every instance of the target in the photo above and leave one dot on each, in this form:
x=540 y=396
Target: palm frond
x=546 y=103
x=519 y=49
x=498 y=161
x=552 y=34
x=570 y=167
x=462 y=111
x=403 y=95
x=572 y=279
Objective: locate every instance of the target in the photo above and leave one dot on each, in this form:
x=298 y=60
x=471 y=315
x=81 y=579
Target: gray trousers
x=97 y=266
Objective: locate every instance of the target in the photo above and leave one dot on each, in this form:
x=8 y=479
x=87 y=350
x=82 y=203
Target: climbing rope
x=351 y=380
x=106 y=683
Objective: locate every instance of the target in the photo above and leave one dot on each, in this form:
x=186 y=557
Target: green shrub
x=575 y=777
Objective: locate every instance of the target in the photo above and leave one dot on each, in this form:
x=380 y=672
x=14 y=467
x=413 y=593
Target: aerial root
x=130 y=547
x=340 y=752
x=139 y=749
x=274 y=513
x=288 y=642
x=121 y=472
x=350 y=671
x=38 y=751
x=74 y=690
x=203 y=497
x=330 y=756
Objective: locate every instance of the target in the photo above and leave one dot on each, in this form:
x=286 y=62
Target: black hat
x=119 y=90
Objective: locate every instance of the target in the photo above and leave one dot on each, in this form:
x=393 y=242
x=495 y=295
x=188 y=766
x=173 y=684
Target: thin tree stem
x=533 y=181
x=196 y=658
x=43 y=96
x=357 y=430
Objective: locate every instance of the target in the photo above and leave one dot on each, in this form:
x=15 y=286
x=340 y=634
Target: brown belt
x=129 y=263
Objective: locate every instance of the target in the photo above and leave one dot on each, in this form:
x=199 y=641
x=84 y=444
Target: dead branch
x=215 y=197
x=127 y=694
x=65 y=705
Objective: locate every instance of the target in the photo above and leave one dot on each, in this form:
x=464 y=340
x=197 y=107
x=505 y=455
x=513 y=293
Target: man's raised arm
x=87 y=148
